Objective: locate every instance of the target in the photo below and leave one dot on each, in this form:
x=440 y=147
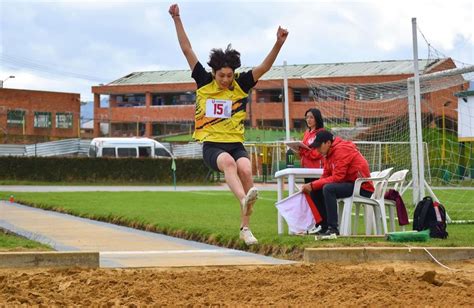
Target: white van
x=128 y=147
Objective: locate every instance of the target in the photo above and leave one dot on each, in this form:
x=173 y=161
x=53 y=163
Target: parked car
x=128 y=147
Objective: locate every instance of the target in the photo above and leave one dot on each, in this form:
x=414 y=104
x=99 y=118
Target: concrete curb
x=368 y=254
x=49 y=259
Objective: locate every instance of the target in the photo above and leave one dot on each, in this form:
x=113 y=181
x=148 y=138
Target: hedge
x=84 y=169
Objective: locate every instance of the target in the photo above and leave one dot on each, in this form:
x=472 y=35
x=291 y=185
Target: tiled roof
x=374 y=68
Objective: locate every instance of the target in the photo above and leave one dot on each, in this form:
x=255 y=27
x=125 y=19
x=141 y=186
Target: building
x=27 y=115
x=466 y=116
x=162 y=102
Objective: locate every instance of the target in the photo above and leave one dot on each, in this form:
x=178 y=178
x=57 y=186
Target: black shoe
x=322 y=231
x=330 y=231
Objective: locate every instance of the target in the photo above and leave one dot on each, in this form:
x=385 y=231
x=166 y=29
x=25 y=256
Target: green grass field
x=457 y=202
x=205 y=215
x=9 y=242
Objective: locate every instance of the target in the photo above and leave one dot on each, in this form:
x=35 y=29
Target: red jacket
x=311 y=158
x=344 y=163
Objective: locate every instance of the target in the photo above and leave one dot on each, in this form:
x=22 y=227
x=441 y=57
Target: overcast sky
x=69 y=46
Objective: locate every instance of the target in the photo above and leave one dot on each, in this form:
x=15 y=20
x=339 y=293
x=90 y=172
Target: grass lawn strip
x=11 y=242
x=207 y=216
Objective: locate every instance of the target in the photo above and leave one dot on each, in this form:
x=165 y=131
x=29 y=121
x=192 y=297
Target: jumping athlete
x=221 y=100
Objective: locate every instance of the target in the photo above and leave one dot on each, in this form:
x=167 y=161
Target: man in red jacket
x=343 y=165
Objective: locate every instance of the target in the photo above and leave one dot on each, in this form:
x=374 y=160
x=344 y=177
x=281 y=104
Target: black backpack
x=431 y=215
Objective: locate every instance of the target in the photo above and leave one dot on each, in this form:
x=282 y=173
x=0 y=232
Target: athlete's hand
x=282 y=34
x=306 y=188
x=174 y=10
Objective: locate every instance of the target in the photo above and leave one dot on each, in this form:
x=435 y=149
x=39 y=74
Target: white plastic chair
x=340 y=204
x=374 y=174
x=395 y=181
x=373 y=205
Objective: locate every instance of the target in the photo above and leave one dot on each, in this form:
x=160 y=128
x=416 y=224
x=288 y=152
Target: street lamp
x=2 y=81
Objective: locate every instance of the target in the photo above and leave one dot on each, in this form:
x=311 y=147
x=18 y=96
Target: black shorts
x=211 y=150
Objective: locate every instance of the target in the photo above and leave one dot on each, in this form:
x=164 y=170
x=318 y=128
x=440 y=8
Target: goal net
x=376 y=117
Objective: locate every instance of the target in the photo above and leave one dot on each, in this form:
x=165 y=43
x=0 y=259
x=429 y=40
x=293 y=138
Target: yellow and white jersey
x=220 y=114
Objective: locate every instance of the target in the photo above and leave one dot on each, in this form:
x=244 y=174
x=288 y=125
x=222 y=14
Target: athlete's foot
x=249 y=201
x=247 y=236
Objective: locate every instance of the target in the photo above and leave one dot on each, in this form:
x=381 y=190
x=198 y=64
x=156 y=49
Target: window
x=144 y=151
x=270 y=96
x=15 y=117
x=297 y=95
x=302 y=95
x=108 y=152
x=327 y=93
x=126 y=152
x=131 y=100
x=164 y=128
x=377 y=92
x=299 y=124
x=160 y=152
x=277 y=124
x=63 y=120
x=104 y=101
x=127 y=129
x=42 y=120
x=165 y=99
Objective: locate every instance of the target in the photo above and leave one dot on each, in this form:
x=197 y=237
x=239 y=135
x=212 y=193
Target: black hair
x=228 y=58
x=322 y=137
x=318 y=117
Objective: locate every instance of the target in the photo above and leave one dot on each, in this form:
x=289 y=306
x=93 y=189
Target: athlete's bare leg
x=227 y=164
x=244 y=170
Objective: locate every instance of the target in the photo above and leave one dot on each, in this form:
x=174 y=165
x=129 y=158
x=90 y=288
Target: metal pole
x=419 y=132
x=173 y=169
x=413 y=143
x=287 y=108
x=447 y=73
x=443 y=141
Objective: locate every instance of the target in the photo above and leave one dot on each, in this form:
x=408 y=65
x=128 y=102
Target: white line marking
x=227 y=194
x=152 y=252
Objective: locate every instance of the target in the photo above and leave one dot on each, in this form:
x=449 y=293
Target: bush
x=84 y=169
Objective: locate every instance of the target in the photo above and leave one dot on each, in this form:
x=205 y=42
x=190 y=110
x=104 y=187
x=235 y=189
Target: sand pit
x=328 y=284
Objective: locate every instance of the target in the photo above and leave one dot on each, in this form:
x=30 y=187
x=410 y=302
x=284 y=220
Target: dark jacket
x=402 y=214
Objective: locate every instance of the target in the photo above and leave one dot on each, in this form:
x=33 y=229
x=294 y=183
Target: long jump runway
x=119 y=246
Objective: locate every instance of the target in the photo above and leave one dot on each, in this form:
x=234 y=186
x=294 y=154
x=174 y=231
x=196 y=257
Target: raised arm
x=261 y=69
x=182 y=37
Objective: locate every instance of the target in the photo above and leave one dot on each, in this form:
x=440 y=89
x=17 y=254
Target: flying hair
x=228 y=58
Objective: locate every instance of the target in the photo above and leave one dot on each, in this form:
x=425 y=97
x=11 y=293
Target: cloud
x=442 y=22
x=31 y=81
x=110 y=39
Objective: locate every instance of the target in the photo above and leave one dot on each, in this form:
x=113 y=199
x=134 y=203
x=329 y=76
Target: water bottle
x=290 y=158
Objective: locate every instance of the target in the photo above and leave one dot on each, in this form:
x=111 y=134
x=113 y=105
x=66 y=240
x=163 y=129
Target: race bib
x=218 y=108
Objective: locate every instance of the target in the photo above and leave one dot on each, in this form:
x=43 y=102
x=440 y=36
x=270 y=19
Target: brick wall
x=39 y=101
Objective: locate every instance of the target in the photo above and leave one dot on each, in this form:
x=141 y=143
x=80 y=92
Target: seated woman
x=311 y=158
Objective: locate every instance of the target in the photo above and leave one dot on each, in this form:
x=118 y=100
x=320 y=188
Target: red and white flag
x=299 y=212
